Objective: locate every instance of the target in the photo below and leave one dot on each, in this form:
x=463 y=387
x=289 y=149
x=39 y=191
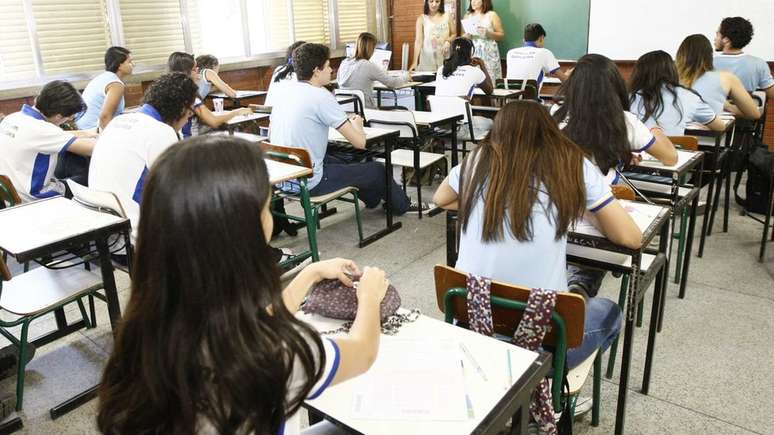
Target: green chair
x=508 y=304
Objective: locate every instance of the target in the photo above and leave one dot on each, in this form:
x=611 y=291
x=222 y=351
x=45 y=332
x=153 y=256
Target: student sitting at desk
x=282 y=74
x=595 y=115
x=104 y=95
x=358 y=72
x=732 y=36
x=31 y=141
x=659 y=100
x=533 y=61
x=209 y=68
x=209 y=342
x=696 y=70
x=133 y=141
x=517 y=194
x=303 y=113
x=186 y=64
x=459 y=76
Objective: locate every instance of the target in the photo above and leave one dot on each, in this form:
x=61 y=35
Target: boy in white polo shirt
x=533 y=61
x=32 y=139
x=732 y=36
x=131 y=142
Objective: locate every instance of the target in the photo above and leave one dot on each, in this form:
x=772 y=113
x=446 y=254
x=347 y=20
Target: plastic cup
x=218 y=104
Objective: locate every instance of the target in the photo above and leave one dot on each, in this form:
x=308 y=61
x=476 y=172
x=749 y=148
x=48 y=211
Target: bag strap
x=480 y=304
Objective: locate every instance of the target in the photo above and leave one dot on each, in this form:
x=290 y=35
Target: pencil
x=510 y=368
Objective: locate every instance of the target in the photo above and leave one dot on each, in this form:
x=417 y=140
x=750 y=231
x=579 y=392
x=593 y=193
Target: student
x=434 y=33
x=696 y=71
x=301 y=117
x=358 y=72
x=658 y=99
x=533 y=61
x=186 y=64
x=104 y=95
x=459 y=76
x=203 y=286
x=521 y=189
x=209 y=68
x=732 y=36
x=32 y=139
x=490 y=32
x=127 y=149
x=282 y=74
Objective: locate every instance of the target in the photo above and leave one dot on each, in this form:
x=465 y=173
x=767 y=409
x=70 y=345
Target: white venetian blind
x=73 y=34
x=310 y=21
x=16 y=55
x=152 y=29
x=353 y=19
x=278 y=24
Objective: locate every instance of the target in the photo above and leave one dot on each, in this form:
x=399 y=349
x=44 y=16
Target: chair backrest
x=690 y=143
x=622 y=191
x=401 y=120
x=291 y=155
x=571 y=307
x=96 y=199
x=9 y=197
x=452 y=106
x=529 y=86
x=357 y=107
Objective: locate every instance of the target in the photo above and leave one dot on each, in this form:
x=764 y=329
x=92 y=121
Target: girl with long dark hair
x=209 y=342
x=659 y=100
x=282 y=73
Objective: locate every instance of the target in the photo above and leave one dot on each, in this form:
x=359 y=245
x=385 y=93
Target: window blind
x=17 y=61
x=352 y=19
x=152 y=29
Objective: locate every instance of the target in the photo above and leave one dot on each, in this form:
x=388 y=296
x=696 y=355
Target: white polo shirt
x=126 y=149
x=460 y=83
x=29 y=150
x=531 y=62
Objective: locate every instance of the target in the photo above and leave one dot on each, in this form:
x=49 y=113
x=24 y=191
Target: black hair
x=461 y=53
x=171 y=94
x=181 y=62
x=738 y=30
x=426 y=8
x=287 y=68
x=653 y=73
x=59 y=98
x=595 y=99
x=114 y=57
x=206 y=336
x=309 y=56
x=207 y=61
x=533 y=32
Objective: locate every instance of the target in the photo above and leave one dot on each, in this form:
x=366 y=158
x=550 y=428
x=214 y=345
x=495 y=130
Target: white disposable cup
x=218 y=104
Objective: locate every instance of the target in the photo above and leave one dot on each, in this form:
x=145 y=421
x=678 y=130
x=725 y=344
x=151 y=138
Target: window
x=353 y=19
x=152 y=29
x=269 y=25
x=310 y=21
x=216 y=27
x=17 y=59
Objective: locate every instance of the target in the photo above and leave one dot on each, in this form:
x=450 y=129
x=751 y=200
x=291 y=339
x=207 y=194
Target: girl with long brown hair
x=517 y=194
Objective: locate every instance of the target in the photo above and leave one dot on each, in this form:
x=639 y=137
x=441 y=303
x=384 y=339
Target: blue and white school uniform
x=710 y=86
x=94 y=97
x=531 y=62
x=462 y=83
x=672 y=121
x=125 y=151
x=753 y=71
x=30 y=147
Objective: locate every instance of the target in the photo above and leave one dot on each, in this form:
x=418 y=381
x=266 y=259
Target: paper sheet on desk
x=397 y=387
x=642 y=214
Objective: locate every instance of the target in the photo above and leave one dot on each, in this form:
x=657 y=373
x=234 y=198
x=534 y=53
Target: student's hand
x=482 y=31
x=357 y=121
x=242 y=111
x=636 y=159
x=373 y=284
x=336 y=268
x=413 y=67
x=477 y=61
x=86 y=133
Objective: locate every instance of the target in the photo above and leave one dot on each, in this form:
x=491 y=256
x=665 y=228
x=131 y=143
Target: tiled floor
x=712 y=373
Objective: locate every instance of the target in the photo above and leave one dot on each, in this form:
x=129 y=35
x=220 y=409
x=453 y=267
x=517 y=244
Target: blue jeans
x=602 y=326
x=590 y=280
x=367 y=177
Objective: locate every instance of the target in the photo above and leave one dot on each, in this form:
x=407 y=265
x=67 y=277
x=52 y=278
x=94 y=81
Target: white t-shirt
x=275 y=87
x=29 y=150
x=537 y=263
x=460 y=83
x=531 y=63
x=672 y=121
x=125 y=151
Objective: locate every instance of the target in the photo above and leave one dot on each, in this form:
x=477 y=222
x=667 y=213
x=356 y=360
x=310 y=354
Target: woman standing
x=490 y=31
x=434 y=33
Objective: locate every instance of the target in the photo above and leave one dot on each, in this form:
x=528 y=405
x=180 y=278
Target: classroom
x=329 y=217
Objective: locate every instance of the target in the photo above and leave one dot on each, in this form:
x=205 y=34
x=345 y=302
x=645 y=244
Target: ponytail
x=288 y=68
x=461 y=54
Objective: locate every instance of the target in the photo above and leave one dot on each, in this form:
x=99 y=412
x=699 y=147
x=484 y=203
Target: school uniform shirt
x=94 y=96
x=276 y=86
x=531 y=62
x=360 y=74
x=29 y=150
x=753 y=71
x=710 y=86
x=539 y=262
x=301 y=117
x=460 y=83
x=672 y=121
x=126 y=149
x=292 y=425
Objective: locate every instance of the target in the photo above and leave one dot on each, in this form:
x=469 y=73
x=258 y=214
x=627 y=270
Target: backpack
x=760 y=169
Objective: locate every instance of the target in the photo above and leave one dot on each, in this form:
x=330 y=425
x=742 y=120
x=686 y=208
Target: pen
x=468 y=402
x=510 y=369
x=473 y=360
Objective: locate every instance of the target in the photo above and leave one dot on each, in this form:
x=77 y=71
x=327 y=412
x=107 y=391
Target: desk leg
x=378 y=99
x=454 y=157
x=520 y=421
x=707 y=212
x=691 y=231
x=311 y=223
x=626 y=358
x=767 y=222
x=656 y=311
x=11 y=426
x=391 y=226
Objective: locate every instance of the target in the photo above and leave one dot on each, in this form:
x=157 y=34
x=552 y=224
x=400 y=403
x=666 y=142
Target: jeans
x=74 y=167
x=602 y=326
x=367 y=177
x=590 y=280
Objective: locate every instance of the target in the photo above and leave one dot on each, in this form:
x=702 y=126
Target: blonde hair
x=366 y=43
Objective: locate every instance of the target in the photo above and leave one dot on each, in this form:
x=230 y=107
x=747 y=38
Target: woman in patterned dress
x=490 y=31
x=434 y=32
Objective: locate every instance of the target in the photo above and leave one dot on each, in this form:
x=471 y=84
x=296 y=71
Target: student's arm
x=717 y=124
x=359 y=348
x=352 y=130
x=560 y=74
x=419 y=37
x=446 y=197
x=743 y=105
x=377 y=74
x=83 y=146
x=662 y=148
x=497 y=33
x=336 y=268
x=113 y=94
x=616 y=224
x=215 y=79
x=770 y=92
x=487 y=85
x=215 y=120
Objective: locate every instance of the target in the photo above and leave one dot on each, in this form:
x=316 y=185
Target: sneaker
x=280 y=255
x=9 y=358
x=582 y=407
x=415 y=207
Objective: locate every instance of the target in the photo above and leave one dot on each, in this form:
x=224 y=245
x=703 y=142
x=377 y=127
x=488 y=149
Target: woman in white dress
x=434 y=33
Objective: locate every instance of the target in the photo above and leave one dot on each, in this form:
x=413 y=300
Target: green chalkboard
x=565 y=21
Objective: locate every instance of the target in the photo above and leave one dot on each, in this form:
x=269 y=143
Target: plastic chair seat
x=328 y=197
x=41 y=290
x=577 y=376
x=405 y=157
